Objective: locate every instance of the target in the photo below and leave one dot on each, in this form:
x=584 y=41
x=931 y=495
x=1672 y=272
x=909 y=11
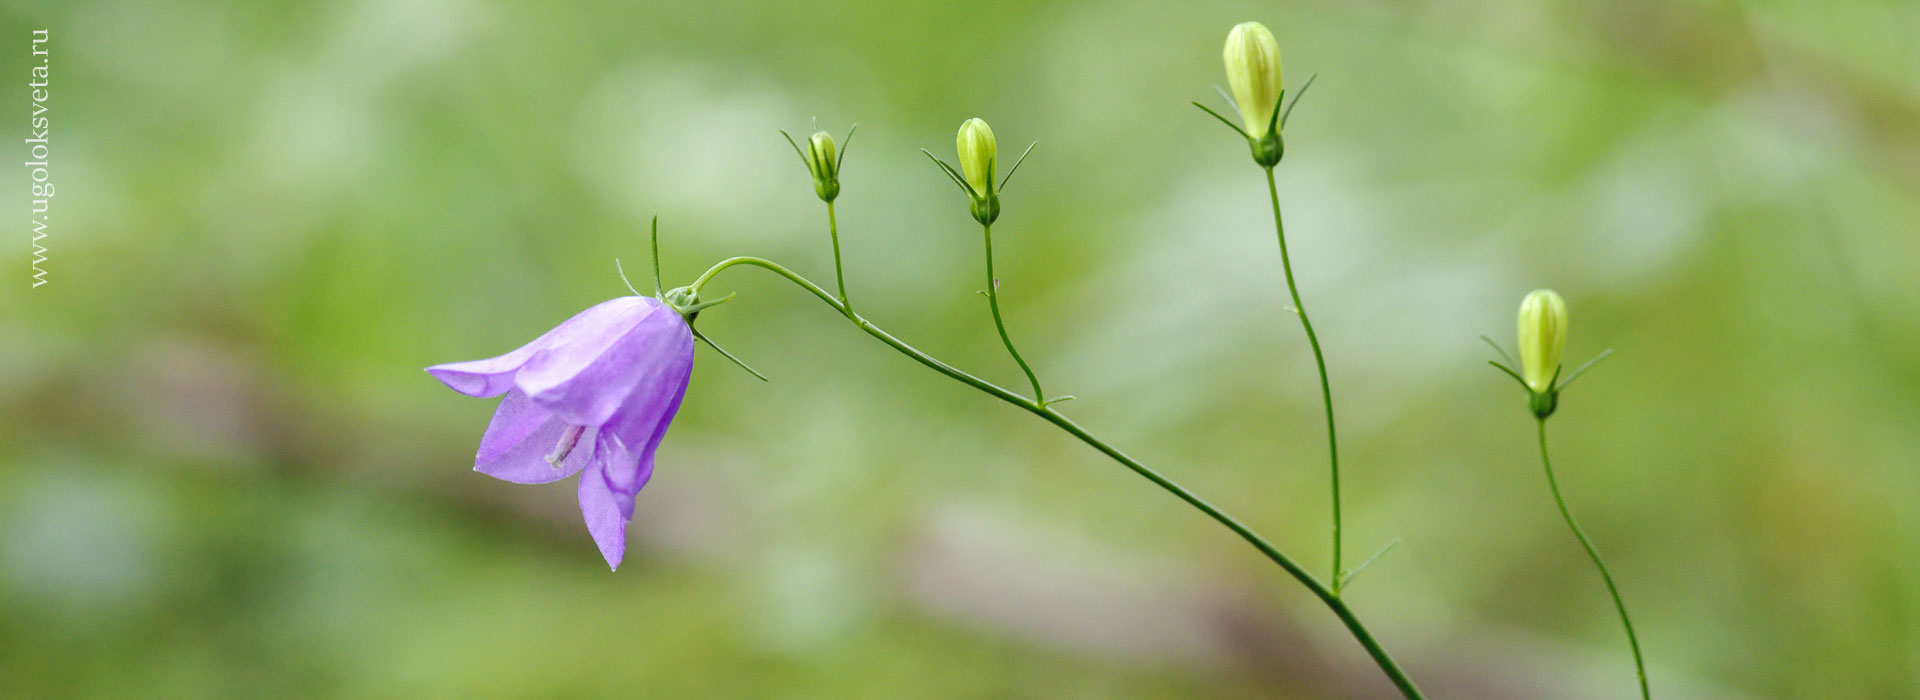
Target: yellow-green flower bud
x=826 y=170
x=1253 y=74
x=1543 y=335
x=977 y=151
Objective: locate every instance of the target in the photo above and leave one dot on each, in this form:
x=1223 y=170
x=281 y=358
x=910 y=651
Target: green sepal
x=951 y=174
x=1503 y=352
x=723 y=353
x=1273 y=120
x=1016 y=164
x=796 y=150
x=1510 y=373
x=1582 y=369
x=695 y=307
x=1296 y=99
x=1216 y=115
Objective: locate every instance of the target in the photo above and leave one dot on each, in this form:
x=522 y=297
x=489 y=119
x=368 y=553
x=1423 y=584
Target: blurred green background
x=224 y=474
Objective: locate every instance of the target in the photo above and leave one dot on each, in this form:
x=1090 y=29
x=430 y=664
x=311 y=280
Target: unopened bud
x=826 y=170
x=1543 y=336
x=1253 y=74
x=977 y=152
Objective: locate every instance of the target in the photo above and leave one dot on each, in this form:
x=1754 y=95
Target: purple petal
x=607 y=491
x=606 y=495
x=595 y=371
x=644 y=420
x=515 y=419
x=521 y=437
x=494 y=376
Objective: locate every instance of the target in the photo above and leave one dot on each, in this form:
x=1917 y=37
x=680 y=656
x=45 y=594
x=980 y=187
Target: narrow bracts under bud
x=821 y=160
x=978 y=150
x=1253 y=73
x=1543 y=336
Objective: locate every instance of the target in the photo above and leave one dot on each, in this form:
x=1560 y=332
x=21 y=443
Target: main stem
x=833 y=233
x=993 y=301
x=1639 y=665
x=1035 y=406
x=1319 y=362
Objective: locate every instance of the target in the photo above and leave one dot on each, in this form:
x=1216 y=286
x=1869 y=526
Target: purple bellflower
x=591 y=397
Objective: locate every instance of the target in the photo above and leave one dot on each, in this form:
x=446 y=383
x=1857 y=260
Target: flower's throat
x=568 y=440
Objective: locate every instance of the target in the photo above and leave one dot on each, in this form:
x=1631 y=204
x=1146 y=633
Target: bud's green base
x=1267 y=150
x=986 y=209
x=1542 y=403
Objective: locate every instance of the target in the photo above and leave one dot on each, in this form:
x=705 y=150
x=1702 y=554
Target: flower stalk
x=993 y=302
x=839 y=277
x=1619 y=605
x=1326 y=387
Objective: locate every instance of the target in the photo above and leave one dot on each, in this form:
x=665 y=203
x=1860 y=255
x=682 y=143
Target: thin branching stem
x=1048 y=413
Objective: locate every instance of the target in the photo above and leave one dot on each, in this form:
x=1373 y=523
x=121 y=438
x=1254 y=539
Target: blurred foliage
x=222 y=472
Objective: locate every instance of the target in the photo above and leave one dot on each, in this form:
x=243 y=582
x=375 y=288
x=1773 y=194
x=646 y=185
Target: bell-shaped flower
x=591 y=397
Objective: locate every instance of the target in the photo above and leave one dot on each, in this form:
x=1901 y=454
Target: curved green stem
x=1639 y=664
x=1327 y=596
x=993 y=301
x=833 y=232
x=1319 y=362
